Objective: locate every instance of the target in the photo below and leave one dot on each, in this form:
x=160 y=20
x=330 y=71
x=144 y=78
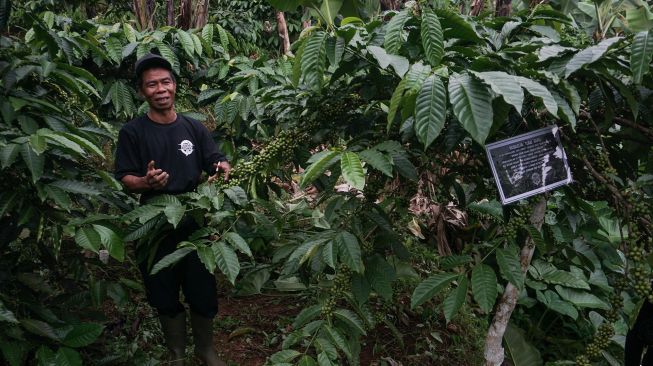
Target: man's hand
x=156 y=178
x=221 y=166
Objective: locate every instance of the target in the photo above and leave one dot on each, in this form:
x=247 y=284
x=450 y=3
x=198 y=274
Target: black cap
x=150 y=61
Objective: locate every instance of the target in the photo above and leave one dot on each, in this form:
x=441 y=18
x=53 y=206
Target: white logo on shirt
x=186 y=147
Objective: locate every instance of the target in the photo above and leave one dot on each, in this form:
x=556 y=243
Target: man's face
x=158 y=88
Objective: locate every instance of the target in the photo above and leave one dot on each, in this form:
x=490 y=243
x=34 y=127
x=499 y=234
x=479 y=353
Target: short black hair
x=149 y=61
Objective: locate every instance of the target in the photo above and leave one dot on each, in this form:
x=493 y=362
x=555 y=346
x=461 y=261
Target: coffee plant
x=253 y=24
x=55 y=180
x=360 y=178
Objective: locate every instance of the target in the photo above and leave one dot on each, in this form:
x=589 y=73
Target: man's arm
x=135 y=184
x=154 y=179
x=213 y=161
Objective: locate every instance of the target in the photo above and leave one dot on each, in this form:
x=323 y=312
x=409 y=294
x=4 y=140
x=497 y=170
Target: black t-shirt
x=183 y=149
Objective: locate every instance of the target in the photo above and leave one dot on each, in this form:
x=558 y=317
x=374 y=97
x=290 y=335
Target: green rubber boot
x=174 y=333
x=203 y=336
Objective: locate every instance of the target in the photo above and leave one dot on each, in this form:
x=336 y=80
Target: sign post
x=529 y=164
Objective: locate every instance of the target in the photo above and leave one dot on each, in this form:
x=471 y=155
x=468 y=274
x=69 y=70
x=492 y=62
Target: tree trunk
x=391 y=4
x=150 y=13
x=503 y=8
x=201 y=14
x=282 y=29
x=477 y=7
x=139 y=9
x=494 y=353
x=185 y=14
x=144 y=12
x=170 y=12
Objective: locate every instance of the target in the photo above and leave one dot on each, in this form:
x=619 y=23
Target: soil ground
x=249 y=329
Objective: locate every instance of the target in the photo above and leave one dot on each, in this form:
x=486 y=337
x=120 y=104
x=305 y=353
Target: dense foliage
x=360 y=178
x=253 y=24
x=54 y=173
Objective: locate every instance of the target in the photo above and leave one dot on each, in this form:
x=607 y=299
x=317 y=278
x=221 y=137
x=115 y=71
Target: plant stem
x=494 y=353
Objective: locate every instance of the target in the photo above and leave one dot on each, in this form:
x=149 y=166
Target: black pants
x=189 y=274
x=635 y=342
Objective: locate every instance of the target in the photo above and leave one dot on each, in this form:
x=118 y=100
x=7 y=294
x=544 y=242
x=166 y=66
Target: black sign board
x=529 y=164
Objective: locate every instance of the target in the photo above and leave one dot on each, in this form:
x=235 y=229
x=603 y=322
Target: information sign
x=529 y=164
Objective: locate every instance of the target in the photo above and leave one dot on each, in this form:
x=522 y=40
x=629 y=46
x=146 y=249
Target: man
x=165 y=153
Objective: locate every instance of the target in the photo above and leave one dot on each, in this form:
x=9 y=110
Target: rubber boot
x=203 y=336
x=174 y=332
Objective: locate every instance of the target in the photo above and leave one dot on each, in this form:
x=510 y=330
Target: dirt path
x=250 y=329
